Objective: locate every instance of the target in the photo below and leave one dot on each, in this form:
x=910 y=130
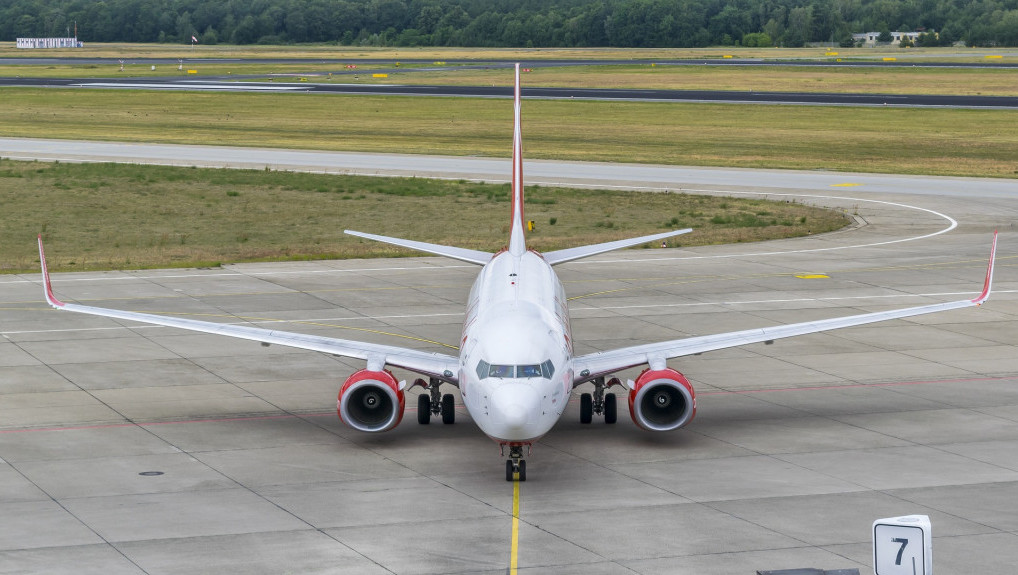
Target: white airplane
x=516 y=370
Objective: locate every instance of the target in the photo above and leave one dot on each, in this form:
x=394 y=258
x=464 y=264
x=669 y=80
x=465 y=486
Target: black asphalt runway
x=792 y=98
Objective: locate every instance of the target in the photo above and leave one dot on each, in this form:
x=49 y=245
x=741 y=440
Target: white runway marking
x=195 y=86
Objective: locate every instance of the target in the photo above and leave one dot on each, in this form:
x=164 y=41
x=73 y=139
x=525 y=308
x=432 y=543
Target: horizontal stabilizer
x=463 y=254
x=570 y=254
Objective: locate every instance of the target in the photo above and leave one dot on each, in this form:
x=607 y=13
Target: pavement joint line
x=573 y=399
x=581 y=309
x=856 y=386
x=674 y=280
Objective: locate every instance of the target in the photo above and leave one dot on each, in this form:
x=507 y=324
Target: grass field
x=863 y=80
x=889 y=140
x=114 y=216
x=127 y=51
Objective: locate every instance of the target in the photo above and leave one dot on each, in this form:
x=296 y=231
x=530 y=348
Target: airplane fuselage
x=515 y=369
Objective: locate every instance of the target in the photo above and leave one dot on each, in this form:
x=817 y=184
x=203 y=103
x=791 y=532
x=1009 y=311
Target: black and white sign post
x=903 y=546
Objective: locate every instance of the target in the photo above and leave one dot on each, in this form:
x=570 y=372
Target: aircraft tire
x=611 y=411
x=423 y=409
x=448 y=409
x=586 y=408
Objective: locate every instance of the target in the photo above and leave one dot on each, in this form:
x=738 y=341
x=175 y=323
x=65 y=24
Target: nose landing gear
x=515 y=466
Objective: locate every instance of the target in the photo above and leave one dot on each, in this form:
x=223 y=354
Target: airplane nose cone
x=514 y=407
x=514 y=415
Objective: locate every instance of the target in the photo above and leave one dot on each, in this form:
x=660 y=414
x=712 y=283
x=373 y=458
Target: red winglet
x=989 y=273
x=53 y=301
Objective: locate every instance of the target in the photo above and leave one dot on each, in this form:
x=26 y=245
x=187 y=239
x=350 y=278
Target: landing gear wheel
x=423 y=409
x=611 y=411
x=586 y=408
x=515 y=466
x=448 y=409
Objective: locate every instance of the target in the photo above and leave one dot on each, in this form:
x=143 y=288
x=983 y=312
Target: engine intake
x=661 y=400
x=371 y=401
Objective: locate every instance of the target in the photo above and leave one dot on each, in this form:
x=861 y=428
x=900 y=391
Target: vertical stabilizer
x=517 y=243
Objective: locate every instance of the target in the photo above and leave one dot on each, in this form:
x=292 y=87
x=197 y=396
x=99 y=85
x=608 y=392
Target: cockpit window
x=528 y=371
x=548 y=369
x=545 y=370
x=500 y=371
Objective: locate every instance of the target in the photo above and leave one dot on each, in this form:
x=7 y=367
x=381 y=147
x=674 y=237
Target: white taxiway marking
x=578 y=309
x=195 y=86
x=951 y=224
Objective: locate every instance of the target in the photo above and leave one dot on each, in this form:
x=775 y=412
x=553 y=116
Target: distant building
x=49 y=43
x=870 y=38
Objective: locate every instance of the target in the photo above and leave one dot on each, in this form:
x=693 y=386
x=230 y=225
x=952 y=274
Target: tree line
x=512 y=23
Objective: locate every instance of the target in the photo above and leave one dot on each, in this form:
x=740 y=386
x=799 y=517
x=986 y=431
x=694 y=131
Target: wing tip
x=47 y=285
x=988 y=282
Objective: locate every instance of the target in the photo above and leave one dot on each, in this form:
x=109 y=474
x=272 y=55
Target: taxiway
x=232 y=84
x=133 y=449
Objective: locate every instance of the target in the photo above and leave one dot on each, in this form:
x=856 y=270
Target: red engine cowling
x=662 y=400
x=371 y=401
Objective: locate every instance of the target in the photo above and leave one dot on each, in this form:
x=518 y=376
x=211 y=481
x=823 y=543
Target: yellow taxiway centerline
x=515 y=545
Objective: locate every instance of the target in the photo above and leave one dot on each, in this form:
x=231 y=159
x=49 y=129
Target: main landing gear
x=515 y=466
x=435 y=403
x=600 y=402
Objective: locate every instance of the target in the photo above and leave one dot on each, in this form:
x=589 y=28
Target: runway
x=538 y=93
x=132 y=449
x=855 y=61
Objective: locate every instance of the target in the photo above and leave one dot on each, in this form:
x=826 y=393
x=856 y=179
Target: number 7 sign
x=903 y=546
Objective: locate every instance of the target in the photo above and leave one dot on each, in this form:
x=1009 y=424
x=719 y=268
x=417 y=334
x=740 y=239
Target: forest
x=512 y=23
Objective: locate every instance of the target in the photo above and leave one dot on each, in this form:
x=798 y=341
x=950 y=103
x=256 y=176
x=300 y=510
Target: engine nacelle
x=661 y=400
x=371 y=401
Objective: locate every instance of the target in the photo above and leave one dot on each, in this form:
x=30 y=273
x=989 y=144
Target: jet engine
x=371 y=401
x=661 y=400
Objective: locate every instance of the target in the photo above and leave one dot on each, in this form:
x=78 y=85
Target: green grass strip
x=867 y=139
x=116 y=216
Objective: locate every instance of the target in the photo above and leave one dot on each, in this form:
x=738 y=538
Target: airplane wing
x=438 y=365
x=594 y=365
x=570 y=254
x=462 y=254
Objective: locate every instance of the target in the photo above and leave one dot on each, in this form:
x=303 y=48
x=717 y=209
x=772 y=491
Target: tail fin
x=517 y=243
